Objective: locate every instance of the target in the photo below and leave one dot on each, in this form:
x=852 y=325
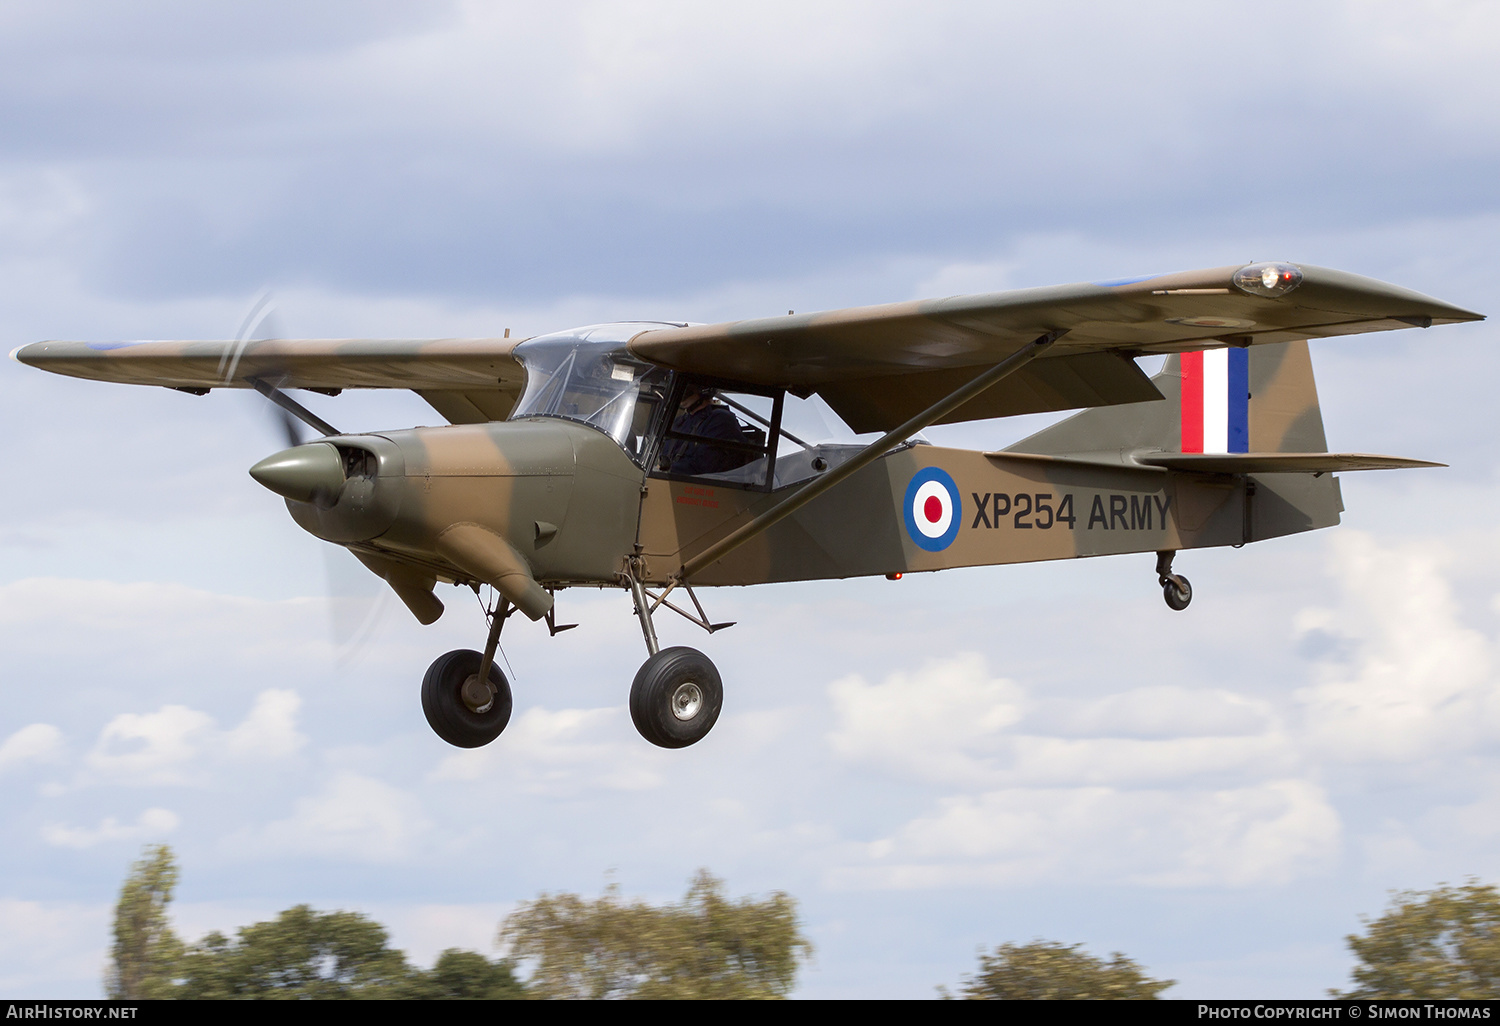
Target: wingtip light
x=1270 y=279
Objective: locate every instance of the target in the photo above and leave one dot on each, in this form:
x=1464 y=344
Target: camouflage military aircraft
x=653 y=456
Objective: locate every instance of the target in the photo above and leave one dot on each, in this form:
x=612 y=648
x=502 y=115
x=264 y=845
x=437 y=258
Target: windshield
x=588 y=375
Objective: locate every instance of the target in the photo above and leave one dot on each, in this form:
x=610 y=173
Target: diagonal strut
x=869 y=454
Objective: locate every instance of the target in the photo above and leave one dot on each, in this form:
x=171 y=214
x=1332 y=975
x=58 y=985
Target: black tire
x=676 y=697
x=443 y=703
x=1178 y=592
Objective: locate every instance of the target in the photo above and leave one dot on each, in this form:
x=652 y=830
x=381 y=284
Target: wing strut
x=293 y=407
x=869 y=454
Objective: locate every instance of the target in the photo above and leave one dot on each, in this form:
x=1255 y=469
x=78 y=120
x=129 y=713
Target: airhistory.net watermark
x=68 y=1010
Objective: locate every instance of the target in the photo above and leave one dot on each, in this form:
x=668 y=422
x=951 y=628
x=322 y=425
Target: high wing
x=876 y=366
x=879 y=365
x=467 y=380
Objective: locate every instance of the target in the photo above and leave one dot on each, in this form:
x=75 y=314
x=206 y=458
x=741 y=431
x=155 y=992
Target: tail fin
x=1251 y=414
x=1257 y=400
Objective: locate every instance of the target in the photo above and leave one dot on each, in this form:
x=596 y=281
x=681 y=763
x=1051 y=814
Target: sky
x=932 y=766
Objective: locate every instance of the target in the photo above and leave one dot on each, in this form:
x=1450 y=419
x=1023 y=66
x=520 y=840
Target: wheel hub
x=687 y=701
x=478 y=695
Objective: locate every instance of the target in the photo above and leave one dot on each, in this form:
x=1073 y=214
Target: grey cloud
x=523 y=155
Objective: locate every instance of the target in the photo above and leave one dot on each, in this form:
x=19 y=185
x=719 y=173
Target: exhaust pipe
x=483 y=553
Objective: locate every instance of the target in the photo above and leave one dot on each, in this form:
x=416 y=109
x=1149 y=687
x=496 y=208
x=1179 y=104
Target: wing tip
x=21 y=355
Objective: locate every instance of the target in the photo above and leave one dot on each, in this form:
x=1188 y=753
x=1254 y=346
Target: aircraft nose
x=305 y=473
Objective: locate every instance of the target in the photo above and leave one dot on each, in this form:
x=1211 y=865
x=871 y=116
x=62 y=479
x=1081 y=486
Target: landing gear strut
x=1175 y=588
x=677 y=694
x=465 y=697
x=674 y=700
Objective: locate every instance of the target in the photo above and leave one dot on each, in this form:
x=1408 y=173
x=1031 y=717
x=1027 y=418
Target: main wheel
x=1177 y=591
x=461 y=709
x=676 y=697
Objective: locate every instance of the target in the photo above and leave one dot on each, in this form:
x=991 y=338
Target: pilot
x=698 y=415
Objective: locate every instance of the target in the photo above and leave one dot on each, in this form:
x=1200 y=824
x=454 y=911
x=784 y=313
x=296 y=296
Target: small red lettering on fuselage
x=692 y=495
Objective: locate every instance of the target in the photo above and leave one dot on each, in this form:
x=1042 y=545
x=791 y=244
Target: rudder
x=1258 y=399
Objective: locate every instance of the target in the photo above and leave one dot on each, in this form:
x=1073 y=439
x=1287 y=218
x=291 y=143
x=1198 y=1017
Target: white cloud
x=153 y=823
x=52 y=949
x=167 y=621
x=967 y=278
x=945 y=722
x=39 y=742
x=1162 y=711
x=150 y=748
x=1393 y=849
x=951 y=723
x=608 y=76
x=1268 y=833
x=1043 y=800
x=352 y=816
x=270 y=730
x=36 y=205
x=425 y=931
x=1127 y=762
x=1422 y=682
x=1443 y=50
x=1171 y=785
x=562 y=751
x=177 y=745
x=600 y=76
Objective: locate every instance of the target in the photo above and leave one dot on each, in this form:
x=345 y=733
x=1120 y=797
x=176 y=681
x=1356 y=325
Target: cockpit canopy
x=587 y=375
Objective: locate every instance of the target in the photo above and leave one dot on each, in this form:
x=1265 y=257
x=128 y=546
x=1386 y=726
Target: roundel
x=932 y=509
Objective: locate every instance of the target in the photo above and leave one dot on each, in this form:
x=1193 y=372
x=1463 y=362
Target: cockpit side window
x=719 y=432
x=671 y=425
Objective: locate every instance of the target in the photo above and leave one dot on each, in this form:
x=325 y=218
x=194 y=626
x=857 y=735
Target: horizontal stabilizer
x=1111 y=459
x=1277 y=462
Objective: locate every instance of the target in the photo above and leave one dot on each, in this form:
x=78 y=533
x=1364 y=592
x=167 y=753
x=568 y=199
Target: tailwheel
x=1177 y=591
x=463 y=710
x=1174 y=587
x=676 y=697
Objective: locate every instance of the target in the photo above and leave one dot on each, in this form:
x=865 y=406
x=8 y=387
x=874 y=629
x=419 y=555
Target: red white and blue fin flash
x=933 y=509
x=1216 y=401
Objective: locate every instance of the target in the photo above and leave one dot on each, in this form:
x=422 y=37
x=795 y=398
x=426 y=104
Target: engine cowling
x=517 y=505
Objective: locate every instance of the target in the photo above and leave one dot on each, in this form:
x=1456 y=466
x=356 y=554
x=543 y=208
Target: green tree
x=1047 y=970
x=460 y=975
x=706 y=947
x=1443 y=943
x=299 y=954
x=145 y=952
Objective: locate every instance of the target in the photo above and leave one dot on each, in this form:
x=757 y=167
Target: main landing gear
x=1175 y=588
x=465 y=696
x=462 y=709
x=674 y=701
x=676 y=697
x=677 y=694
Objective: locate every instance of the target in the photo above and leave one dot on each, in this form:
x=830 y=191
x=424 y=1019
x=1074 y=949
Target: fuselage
x=572 y=491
